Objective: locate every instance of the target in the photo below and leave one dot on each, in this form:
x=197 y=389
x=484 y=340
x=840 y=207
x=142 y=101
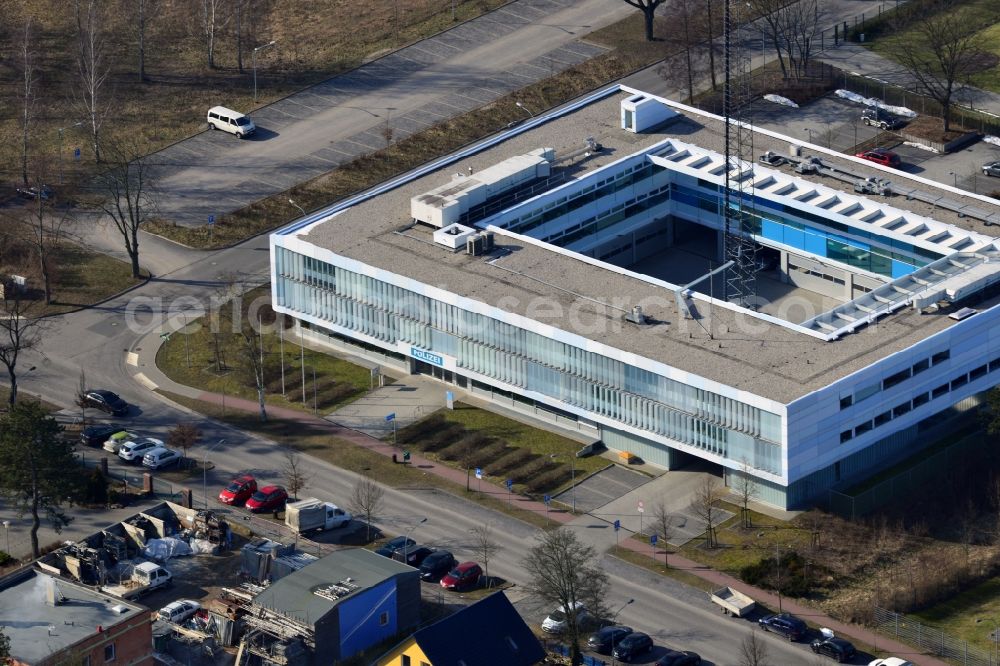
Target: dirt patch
x=929 y=128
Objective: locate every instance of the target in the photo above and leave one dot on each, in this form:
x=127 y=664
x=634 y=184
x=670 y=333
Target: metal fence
x=902 y=484
x=932 y=640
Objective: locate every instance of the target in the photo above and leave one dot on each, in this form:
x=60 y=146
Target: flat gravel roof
x=742 y=351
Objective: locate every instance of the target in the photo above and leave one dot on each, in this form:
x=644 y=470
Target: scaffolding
x=739 y=210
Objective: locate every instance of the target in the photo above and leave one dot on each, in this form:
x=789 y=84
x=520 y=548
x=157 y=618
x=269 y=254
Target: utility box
x=641 y=112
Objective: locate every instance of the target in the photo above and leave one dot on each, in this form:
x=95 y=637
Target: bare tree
x=939 y=51
x=753 y=650
x=705 y=504
x=129 y=199
x=212 y=21
x=20 y=330
x=92 y=68
x=144 y=12
x=648 y=9
x=772 y=23
x=367 y=499
x=663 y=523
x=42 y=229
x=484 y=547
x=710 y=34
x=239 y=13
x=183 y=436
x=251 y=343
x=803 y=21
x=80 y=399
x=296 y=477
x=26 y=58
x=565 y=572
x=746 y=491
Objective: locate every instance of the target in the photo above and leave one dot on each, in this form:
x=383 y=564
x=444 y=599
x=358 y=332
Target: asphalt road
x=315 y=130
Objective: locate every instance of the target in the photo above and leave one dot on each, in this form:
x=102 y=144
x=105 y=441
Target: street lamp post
x=613 y=619
x=301 y=210
x=808 y=129
x=254 y=58
x=406 y=538
x=6 y=531
x=954 y=178
x=204 y=471
x=61 y=129
x=525 y=109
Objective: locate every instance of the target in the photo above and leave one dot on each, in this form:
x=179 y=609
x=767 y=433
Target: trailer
x=733 y=602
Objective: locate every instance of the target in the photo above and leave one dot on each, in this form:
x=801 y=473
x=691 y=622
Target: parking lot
x=835 y=123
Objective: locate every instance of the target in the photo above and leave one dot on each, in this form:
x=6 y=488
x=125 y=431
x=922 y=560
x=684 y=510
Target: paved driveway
x=329 y=124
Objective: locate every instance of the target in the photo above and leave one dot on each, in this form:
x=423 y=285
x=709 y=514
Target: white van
x=234 y=122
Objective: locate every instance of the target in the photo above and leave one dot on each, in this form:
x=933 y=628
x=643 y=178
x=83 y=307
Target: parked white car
x=555 y=623
x=161 y=457
x=178 y=611
x=134 y=450
x=114 y=443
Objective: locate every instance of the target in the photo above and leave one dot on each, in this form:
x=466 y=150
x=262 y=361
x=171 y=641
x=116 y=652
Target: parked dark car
x=881 y=156
x=97 y=434
x=835 y=648
x=881 y=118
x=33 y=193
x=411 y=555
x=268 y=498
x=785 y=624
x=392 y=545
x=632 y=646
x=239 y=490
x=991 y=168
x=462 y=577
x=678 y=658
x=437 y=564
x=106 y=401
x=604 y=640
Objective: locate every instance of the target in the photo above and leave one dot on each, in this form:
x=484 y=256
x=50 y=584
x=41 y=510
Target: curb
x=78 y=308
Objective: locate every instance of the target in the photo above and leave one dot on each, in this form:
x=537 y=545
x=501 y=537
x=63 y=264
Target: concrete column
x=186 y=500
x=784 y=267
x=671 y=235
x=848 y=285
x=720 y=246
x=147 y=483
x=104 y=466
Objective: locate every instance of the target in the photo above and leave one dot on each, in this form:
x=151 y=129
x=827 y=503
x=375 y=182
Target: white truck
x=145 y=577
x=312 y=514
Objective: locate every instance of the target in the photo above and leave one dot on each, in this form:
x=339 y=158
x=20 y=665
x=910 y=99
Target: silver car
x=161 y=457
x=992 y=168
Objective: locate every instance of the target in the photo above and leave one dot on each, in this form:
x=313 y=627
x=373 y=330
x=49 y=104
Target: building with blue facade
x=334 y=608
x=563 y=268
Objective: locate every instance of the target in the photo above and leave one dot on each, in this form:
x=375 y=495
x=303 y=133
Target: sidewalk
x=154 y=378
x=856 y=59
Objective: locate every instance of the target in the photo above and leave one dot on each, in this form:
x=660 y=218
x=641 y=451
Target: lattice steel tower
x=739 y=209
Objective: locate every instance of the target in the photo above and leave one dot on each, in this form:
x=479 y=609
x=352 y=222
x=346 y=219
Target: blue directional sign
x=652 y=539
x=390 y=417
x=547 y=500
x=211 y=219
x=479 y=472
x=510 y=483
x=618 y=525
x=76 y=153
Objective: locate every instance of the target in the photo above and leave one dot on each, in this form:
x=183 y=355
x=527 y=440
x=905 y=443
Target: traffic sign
x=618 y=525
x=479 y=473
x=510 y=483
x=164 y=336
x=76 y=153
x=390 y=417
x=547 y=500
x=642 y=507
x=652 y=539
x=211 y=219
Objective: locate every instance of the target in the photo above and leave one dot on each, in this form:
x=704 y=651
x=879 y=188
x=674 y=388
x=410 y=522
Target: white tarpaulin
x=161 y=550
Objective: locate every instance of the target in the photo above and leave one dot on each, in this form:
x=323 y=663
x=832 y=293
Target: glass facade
x=518 y=357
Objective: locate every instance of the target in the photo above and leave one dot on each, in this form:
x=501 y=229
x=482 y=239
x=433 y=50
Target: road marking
x=145 y=381
x=132 y=359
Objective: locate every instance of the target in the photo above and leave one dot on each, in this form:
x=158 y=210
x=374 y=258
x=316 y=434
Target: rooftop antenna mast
x=738 y=197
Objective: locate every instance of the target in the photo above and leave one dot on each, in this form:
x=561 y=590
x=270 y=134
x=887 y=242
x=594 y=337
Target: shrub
x=795 y=578
x=549 y=480
x=95 y=490
x=6 y=559
x=485 y=455
x=440 y=439
x=421 y=428
x=511 y=461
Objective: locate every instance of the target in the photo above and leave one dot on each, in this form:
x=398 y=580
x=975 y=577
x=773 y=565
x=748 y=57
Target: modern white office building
x=560 y=268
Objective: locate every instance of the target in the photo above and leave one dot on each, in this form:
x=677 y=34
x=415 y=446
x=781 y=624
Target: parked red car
x=239 y=490
x=268 y=498
x=462 y=577
x=880 y=156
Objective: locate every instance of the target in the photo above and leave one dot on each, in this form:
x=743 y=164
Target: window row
x=920 y=400
x=894 y=379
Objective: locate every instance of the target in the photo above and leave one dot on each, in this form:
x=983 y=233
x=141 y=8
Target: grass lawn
x=657 y=566
x=189 y=358
x=971 y=615
x=467 y=437
x=84 y=277
x=973 y=12
x=342 y=453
